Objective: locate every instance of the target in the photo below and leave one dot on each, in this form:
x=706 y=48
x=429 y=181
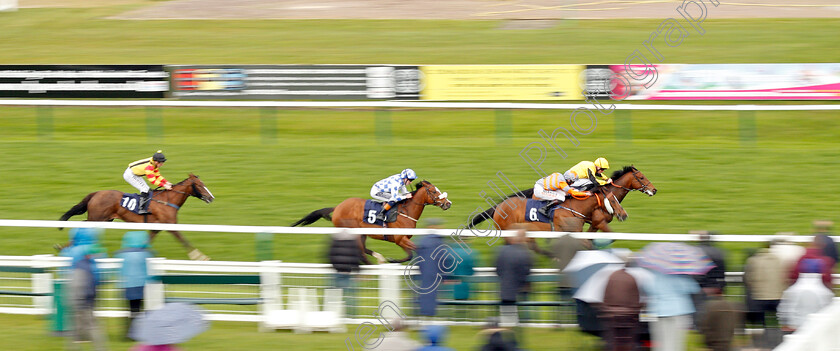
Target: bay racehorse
x=569 y=216
x=104 y=206
x=350 y=214
x=624 y=180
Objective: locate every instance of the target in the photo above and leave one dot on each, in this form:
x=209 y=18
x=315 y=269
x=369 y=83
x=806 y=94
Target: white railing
x=395 y=231
x=406 y=104
x=818 y=333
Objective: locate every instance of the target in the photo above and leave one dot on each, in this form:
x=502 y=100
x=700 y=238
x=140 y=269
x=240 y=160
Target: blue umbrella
x=173 y=323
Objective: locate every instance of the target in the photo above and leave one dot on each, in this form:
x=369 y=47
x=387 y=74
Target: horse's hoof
x=379 y=257
x=196 y=255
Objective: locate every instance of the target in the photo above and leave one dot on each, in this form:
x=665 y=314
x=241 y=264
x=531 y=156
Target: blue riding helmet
x=409 y=174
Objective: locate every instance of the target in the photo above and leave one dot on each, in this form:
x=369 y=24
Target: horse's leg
x=407 y=245
x=379 y=257
x=363 y=249
x=192 y=252
x=532 y=244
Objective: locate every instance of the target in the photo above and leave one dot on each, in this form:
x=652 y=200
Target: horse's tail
x=80 y=208
x=490 y=212
x=315 y=216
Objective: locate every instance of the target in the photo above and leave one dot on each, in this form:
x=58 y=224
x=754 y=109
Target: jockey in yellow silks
x=578 y=175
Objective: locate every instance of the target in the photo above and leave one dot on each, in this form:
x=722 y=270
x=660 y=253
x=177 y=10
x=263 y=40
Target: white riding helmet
x=409 y=174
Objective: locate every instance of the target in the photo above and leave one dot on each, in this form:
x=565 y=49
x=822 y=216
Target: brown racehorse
x=569 y=216
x=104 y=206
x=349 y=214
x=624 y=181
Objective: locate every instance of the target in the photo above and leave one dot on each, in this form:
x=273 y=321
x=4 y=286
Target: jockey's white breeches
x=135 y=181
x=581 y=184
x=380 y=196
x=542 y=194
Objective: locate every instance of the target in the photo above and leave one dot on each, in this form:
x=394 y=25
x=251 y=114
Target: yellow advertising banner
x=501 y=82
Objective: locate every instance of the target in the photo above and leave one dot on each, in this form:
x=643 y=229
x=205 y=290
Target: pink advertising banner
x=787 y=81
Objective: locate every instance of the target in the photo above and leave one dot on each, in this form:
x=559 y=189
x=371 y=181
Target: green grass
x=244 y=336
x=708 y=176
x=86 y=36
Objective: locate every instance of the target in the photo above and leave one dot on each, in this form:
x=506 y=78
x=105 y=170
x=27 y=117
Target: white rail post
x=389 y=282
x=154 y=291
x=269 y=291
x=42 y=283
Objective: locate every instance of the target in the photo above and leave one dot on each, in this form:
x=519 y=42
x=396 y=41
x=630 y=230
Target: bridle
x=430 y=195
x=633 y=173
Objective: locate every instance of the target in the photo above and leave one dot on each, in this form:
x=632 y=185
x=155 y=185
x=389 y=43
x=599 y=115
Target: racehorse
x=624 y=180
x=569 y=216
x=349 y=214
x=104 y=206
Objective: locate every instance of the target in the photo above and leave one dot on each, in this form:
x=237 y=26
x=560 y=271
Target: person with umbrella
x=669 y=292
x=162 y=329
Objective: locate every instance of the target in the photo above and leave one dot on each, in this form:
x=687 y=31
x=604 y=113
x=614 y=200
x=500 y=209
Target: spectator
x=814 y=253
x=720 y=321
x=83 y=279
x=513 y=266
x=133 y=273
x=806 y=296
x=461 y=286
x=345 y=255
x=397 y=339
x=765 y=276
x=787 y=251
x=822 y=230
x=435 y=335
x=430 y=270
x=714 y=279
x=620 y=312
x=564 y=249
x=669 y=300
x=498 y=339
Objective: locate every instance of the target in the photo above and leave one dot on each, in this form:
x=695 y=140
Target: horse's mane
x=617 y=174
x=419 y=186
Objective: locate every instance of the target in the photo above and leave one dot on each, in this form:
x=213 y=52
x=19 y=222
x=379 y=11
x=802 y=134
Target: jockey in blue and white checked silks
x=392 y=190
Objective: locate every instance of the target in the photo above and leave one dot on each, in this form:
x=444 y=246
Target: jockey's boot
x=544 y=210
x=381 y=215
x=144 y=203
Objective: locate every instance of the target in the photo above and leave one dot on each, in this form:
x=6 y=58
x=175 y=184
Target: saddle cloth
x=369 y=213
x=130 y=202
x=533 y=215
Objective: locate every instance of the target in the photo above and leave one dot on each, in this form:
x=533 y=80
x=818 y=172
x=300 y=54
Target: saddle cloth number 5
x=371 y=216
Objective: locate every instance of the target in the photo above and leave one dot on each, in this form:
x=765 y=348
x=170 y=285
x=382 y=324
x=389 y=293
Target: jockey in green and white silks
x=392 y=190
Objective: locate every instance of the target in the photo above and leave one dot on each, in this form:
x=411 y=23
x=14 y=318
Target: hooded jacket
x=134 y=253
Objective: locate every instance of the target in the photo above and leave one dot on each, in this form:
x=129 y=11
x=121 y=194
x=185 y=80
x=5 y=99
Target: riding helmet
x=602 y=163
x=159 y=156
x=408 y=173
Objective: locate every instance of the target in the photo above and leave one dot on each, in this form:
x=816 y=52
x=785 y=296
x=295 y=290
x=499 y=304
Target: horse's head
x=632 y=179
x=198 y=189
x=431 y=195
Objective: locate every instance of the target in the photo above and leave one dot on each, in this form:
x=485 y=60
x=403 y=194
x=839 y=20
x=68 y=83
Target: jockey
x=578 y=175
x=392 y=190
x=554 y=187
x=149 y=167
